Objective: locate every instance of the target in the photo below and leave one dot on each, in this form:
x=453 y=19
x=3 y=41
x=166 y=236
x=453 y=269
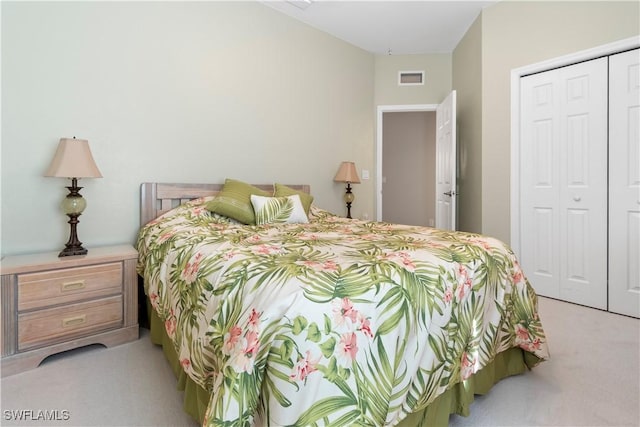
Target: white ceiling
x=402 y=27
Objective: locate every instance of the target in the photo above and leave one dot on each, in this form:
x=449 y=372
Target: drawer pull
x=74 y=321
x=72 y=286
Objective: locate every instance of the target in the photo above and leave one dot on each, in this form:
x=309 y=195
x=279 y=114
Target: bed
x=330 y=322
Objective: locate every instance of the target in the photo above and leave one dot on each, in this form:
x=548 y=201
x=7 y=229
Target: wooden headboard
x=158 y=198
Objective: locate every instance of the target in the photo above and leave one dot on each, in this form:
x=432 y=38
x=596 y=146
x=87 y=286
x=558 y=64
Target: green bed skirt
x=454 y=401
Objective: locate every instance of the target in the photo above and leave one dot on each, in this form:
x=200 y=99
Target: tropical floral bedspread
x=337 y=322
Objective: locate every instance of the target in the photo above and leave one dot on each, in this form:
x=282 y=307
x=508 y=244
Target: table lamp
x=73 y=160
x=347 y=173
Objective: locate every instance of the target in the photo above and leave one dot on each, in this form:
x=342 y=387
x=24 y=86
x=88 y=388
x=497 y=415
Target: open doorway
x=382 y=110
x=408 y=167
x=444 y=162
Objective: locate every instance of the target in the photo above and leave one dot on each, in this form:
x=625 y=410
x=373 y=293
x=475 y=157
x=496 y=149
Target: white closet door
x=539 y=181
x=564 y=182
x=624 y=183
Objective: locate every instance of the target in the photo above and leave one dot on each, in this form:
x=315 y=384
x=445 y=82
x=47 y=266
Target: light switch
x=365 y=174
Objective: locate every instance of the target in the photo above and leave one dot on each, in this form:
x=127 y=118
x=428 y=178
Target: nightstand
x=52 y=304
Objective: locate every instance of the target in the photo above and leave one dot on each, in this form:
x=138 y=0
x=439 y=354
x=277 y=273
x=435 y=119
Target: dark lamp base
x=74 y=246
x=349 y=198
x=70 y=251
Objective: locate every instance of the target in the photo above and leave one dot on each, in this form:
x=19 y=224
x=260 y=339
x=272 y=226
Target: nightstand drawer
x=44 y=327
x=48 y=288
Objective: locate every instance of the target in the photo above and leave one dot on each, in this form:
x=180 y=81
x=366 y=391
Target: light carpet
x=592 y=379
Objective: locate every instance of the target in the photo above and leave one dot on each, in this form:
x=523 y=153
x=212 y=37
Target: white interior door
x=563 y=187
x=446 y=163
x=624 y=183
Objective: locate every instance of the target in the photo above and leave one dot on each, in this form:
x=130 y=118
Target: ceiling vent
x=300 y=4
x=410 y=78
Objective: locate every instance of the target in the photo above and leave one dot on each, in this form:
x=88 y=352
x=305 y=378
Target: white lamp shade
x=73 y=159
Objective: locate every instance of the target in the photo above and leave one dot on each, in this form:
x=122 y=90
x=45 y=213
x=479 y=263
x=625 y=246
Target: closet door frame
x=516 y=74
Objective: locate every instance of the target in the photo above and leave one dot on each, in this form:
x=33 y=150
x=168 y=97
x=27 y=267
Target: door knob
x=449 y=193
x=577 y=198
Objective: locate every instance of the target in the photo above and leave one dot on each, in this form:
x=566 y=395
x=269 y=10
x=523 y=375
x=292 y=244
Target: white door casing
x=624 y=183
x=446 y=163
x=563 y=182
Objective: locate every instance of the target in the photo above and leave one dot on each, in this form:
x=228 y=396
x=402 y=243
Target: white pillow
x=278 y=210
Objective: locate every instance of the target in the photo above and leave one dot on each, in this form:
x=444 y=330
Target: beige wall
x=519 y=33
x=467 y=81
x=409 y=152
x=437 y=85
x=200 y=91
x=172 y=91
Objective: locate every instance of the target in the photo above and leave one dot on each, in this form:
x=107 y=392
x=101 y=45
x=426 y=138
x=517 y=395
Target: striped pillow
x=234 y=201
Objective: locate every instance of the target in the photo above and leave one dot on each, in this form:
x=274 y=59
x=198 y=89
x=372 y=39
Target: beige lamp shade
x=347 y=173
x=73 y=159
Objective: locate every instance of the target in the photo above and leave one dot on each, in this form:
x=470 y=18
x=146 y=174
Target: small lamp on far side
x=73 y=160
x=347 y=173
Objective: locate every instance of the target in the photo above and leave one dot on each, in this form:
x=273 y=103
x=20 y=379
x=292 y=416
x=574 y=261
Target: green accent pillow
x=234 y=201
x=305 y=198
x=278 y=210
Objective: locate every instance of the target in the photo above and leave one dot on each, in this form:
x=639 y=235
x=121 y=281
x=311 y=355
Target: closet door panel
x=624 y=183
x=539 y=183
x=564 y=182
x=544 y=264
x=583 y=176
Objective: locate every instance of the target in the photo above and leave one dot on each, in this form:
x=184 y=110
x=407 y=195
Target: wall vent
x=410 y=78
x=301 y=4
